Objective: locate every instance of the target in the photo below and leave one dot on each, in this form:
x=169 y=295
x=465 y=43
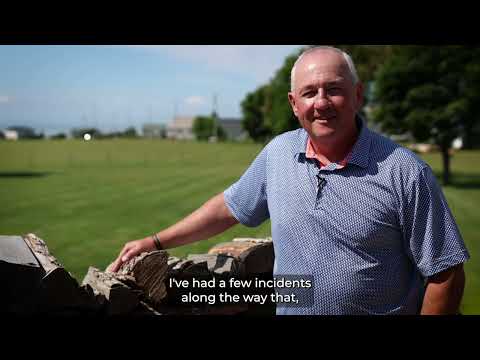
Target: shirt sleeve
x=432 y=237
x=247 y=198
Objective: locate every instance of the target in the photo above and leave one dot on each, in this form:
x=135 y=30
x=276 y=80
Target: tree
x=130 y=132
x=79 y=133
x=471 y=126
x=221 y=133
x=280 y=113
x=266 y=111
x=255 y=106
x=426 y=91
x=163 y=132
x=205 y=127
x=25 y=132
x=59 y=136
x=367 y=59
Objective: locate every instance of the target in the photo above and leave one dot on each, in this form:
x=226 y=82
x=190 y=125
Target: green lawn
x=86 y=199
x=463 y=196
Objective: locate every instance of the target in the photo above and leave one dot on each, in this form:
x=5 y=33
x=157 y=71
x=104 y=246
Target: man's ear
x=358 y=96
x=291 y=99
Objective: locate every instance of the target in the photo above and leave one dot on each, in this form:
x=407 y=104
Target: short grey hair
x=347 y=58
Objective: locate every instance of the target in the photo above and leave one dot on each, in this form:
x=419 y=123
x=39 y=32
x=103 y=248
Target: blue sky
x=56 y=88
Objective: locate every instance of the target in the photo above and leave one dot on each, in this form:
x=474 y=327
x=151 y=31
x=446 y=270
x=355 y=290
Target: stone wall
x=34 y=281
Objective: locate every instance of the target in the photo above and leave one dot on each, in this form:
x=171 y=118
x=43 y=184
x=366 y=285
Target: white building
x=9 y=134
x=181 y=128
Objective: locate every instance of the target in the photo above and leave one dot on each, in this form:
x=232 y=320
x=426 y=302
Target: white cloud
x=258 y=61
x=195 y=100
x=5 y=99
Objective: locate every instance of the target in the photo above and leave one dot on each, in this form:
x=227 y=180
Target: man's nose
x=321 y=100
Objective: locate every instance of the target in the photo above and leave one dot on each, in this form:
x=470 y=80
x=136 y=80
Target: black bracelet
x=156 y=241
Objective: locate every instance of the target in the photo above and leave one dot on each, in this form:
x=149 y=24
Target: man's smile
x=324 y=119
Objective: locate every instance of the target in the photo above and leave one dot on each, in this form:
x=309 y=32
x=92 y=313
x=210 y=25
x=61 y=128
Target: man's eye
x=334 y=90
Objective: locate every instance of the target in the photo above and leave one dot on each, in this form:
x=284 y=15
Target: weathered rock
x=217 y=264
x=172 y=261
x=188 y=268
x=254 y=240
x=40 y=249
x=20 y=276
x=149 y=271
x=37 y=282
x=113 y=294
x=59 y=291
x=256 y=256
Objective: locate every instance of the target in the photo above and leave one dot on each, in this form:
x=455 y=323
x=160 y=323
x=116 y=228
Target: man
x=362 y=215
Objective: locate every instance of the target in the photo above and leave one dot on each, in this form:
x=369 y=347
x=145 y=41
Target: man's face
x=324 y=98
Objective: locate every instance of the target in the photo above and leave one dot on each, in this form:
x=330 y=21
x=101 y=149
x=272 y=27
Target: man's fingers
x=128 y=255
x=128 y=251
x=110 y=268
x=113 y=267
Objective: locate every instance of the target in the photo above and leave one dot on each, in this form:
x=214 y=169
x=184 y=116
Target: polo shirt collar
x=360 y=154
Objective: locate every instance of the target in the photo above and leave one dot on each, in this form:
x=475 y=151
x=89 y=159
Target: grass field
x=86 y=199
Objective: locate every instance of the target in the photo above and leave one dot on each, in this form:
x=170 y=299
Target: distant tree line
x=130 y=132
x=26 y=132
x=207 y=127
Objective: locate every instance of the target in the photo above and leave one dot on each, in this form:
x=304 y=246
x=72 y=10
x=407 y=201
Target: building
x=151 y=130
x=233 y=128
x=181 y=128
x=9 y=134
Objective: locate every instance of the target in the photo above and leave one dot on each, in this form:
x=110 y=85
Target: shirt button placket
x=321 y=182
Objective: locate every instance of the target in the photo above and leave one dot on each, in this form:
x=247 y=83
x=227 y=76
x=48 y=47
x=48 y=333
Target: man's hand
x=130 y=250
x=444 y=292
x=210 y=219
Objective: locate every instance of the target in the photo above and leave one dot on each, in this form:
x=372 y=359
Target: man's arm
x=444 y=292
x=210 y=219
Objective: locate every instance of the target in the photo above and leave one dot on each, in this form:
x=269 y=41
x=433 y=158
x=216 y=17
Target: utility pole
x=215 y=117
x=150 y=113
x=94 y=116
x=174 y=109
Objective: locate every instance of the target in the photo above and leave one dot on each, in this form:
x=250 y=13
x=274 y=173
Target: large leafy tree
x=205 y=127
x=266 y=110
x=255 y=108
x=281 y=115
x=471 y=125
x=367 y=59
x=427 y=91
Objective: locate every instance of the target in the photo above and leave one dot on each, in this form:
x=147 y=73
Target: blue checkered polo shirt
x=369 y=235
